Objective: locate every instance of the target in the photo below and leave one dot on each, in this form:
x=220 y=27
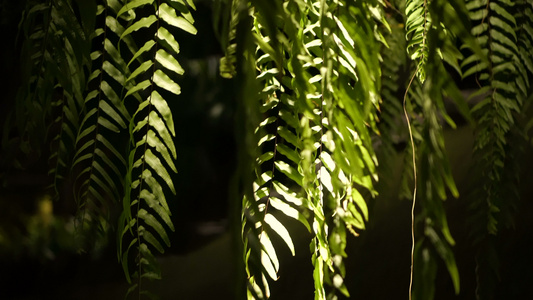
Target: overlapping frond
x=495 y=29
x=392 y=132
x=71 y=80
x=503 y=85
x=503 y=29
x=54 y=55
x=318 y=97
x=350 y=98
x=98 y=166
x=276 y=166
x=231 y=12
x=523 y=13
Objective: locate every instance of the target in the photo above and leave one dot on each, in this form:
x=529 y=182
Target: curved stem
x=415 y=184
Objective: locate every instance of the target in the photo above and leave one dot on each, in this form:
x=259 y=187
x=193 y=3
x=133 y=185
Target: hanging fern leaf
x=350 y=100
x=98 y=166
x=295 y=126
x=227 y=34
x=146 y=215
x=417 y=26
x=503 y=84
x=53 y=57
x=279 y=157
x=494 y=30
x=524 y=33
x=394 y=60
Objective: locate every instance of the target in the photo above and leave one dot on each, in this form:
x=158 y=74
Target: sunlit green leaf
x=163 y=81
x=280 y=230
x=131 y=5
x=168 y=14
x=142 y=23
x=168 y=61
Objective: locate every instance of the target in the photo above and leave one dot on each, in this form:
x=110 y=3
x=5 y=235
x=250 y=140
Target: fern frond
x=503 y=30
x=98 y=167
x=62 y=144
x=145 y=217
x=314 y=138
x=392 y=133
x=279 y=157
x=54 y=54
x=524 y=33
x=350 y=106
x=227 y=33
x=429 y=114
x=350 y=100
x=495 y=113
x=417 y=24
x=309 y=134
x=56 y=58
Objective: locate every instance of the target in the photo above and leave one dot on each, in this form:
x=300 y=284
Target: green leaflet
x=269 y=258
x=145 y=48
x=168 y=15
x=160 y=127
x=289 y=171
x=112 y=51
x=165 y=82
x=139 y=87
x=132 y=5
x=280 y=229
x=164 y=111
x=112 y=71
x=156 y=204
x=152 y=240
x=145 y=66
x=151 y=221
x=111 y=112
x=168 y=61
x=151 y=268
x=167 y=40
x=142 y=23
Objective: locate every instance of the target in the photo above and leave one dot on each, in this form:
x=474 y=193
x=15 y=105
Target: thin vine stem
x=415 y=184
